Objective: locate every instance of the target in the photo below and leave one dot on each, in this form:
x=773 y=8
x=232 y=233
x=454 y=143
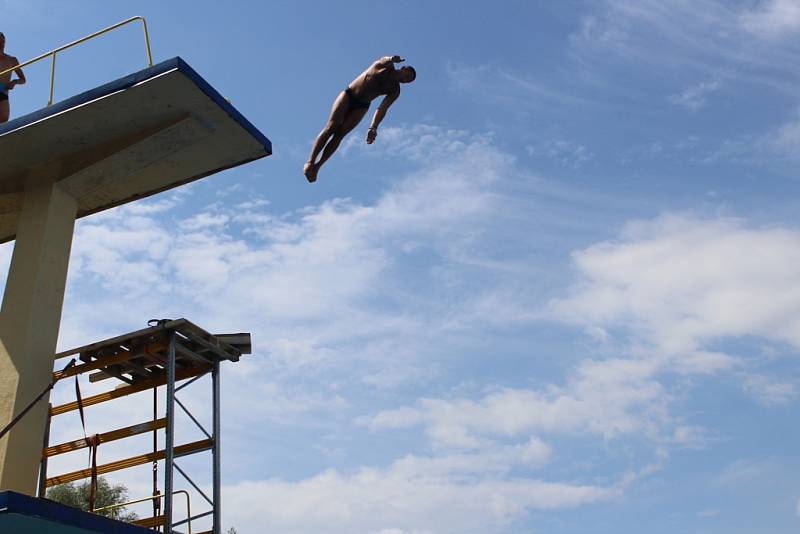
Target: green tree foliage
x=77 y=496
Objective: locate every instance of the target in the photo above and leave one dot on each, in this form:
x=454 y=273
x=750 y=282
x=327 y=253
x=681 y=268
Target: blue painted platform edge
x=17 y=503
x=223 y=103
x=131 y=80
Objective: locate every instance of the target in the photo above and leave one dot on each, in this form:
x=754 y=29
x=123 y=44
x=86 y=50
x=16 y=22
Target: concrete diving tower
x=139 y=135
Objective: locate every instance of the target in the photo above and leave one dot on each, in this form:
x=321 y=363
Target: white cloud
x=681 y=283
x=205 y=221
x=622 y=26
x=535 y=452
x=746 y=471
x=701 y=36
x=153 y=206
x=127 y=255
x=6 y=250
x=282 y=403
x=592 y=30
x=252 y=204
x=691 y=437
x=411 y=495
x=566 y=153
x=695 y=97
x=395 y=375
x=782 y=142
x=773 y=18
x=768 y=391
x=501 y=85
x=424 y=143
x=609 y=398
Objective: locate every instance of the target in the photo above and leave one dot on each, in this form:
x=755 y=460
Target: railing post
x=147 y=42
x=169 y=446
x=52 y=79
x=217 y=449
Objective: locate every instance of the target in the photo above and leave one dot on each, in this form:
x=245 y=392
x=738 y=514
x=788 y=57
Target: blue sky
x=559 y=294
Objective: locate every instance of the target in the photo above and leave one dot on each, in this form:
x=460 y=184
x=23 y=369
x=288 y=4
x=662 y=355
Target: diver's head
x=407 y=74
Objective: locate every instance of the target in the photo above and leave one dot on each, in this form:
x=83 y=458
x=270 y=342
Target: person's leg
x=5 y=110
x=338 y=113
x=350 y=121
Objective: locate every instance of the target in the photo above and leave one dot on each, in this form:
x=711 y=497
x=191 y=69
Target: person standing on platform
x=6 y=83
x=381 y=78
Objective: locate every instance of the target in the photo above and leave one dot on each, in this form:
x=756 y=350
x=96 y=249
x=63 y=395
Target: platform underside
x=134 y=137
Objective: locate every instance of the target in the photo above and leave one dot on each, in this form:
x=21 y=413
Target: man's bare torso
x=6 y=62
x=377 y=80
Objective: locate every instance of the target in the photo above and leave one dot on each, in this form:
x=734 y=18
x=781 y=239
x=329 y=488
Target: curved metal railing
x=52 y=53
x=154 y=497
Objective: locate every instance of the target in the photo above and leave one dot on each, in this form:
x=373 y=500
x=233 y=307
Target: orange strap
x=93 y=442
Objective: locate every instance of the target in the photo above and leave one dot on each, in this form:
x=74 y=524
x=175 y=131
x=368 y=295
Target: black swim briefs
x=353 y=102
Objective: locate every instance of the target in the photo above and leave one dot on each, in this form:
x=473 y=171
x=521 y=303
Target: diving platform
x=145 y=133
x=139 y=135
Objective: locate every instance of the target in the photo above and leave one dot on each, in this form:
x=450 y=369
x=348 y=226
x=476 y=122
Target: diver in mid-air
x=381 y=78
x=6 y=83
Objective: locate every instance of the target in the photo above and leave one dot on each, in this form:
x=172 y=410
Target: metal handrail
x=53 y=52
x=152 y=498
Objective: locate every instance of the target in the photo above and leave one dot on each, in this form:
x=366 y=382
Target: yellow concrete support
x=29 y=321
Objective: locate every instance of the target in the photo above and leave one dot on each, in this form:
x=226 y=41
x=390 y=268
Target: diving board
x=131 y=138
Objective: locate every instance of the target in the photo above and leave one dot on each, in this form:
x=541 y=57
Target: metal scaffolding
x=169 y=352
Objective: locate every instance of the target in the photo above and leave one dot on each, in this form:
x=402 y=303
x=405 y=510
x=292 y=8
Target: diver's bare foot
x=310 y=170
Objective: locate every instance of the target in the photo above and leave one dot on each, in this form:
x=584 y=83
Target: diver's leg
x=352 y=119
x=5 y=110
x=338 y=113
